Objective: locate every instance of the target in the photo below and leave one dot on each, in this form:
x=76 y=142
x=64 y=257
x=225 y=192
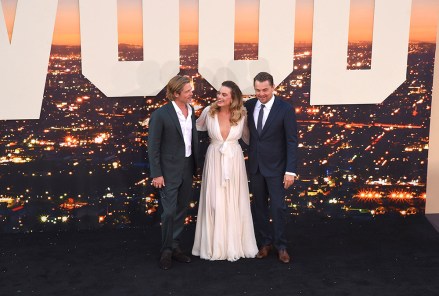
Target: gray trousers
x=175 y=199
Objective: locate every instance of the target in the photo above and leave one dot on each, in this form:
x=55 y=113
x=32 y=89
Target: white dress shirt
x=267 y=110
x=186 y=127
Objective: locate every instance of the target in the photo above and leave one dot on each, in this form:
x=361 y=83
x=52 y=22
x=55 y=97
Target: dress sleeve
x=201 y=121
x=245 y=131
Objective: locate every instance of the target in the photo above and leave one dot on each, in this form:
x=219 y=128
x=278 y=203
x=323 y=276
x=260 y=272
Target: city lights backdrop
x=83 y=164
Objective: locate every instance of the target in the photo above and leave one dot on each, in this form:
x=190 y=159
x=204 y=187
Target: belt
x=226 y=154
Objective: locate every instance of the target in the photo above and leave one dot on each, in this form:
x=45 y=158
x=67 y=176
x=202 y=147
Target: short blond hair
x=176 y=85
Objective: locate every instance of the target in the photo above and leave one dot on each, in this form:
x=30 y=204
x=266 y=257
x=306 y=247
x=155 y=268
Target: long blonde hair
x=236 y=107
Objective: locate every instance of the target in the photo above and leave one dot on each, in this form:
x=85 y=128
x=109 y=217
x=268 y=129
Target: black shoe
x=179 y=256
x=166 y=260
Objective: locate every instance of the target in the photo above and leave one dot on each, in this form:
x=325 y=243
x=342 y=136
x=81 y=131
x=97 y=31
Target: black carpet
x=385 y=256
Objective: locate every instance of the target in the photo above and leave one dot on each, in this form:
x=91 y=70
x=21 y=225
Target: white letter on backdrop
x=216 y=43
x=23 y=62
x=99 y=49
x=331 y=82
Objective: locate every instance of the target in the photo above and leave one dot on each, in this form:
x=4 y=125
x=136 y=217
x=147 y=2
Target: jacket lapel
x=272 y=115
x=194 y=125
x=250 y=118
x=174 y=117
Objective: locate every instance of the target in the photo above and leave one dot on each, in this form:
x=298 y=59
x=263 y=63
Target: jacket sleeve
x=154 y=144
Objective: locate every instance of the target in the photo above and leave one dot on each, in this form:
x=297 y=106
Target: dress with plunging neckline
x=224 y=228
x=219 y=127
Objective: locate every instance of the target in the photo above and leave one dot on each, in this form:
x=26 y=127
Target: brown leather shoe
x=179 y=256
x=283 y=256
x=263 y=252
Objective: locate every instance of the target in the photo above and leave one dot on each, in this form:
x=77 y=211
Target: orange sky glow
x=423 y=22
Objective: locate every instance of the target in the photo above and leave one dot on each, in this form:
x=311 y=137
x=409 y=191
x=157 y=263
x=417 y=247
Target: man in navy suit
x=271 y=163
x=173 y=151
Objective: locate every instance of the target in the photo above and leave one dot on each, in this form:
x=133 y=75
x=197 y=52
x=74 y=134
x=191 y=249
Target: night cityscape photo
x=83 y=164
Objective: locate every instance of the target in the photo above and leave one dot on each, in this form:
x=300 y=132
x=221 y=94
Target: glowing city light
x=368 y=195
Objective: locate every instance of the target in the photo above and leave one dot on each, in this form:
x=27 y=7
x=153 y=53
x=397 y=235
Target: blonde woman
x=224 y=228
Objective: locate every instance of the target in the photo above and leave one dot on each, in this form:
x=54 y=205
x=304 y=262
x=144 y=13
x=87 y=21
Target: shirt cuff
x=291 y=174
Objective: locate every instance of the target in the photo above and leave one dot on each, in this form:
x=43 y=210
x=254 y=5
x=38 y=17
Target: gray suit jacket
x=166 y=150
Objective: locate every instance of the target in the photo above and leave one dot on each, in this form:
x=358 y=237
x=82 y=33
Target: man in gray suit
x=172 y=150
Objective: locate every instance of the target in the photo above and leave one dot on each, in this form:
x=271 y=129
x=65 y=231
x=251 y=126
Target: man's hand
x=158 y=182
x=288 y=181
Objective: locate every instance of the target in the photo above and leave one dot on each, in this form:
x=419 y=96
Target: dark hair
x=263 y=76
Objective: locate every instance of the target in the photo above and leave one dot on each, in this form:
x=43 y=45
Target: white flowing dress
x=224 y=228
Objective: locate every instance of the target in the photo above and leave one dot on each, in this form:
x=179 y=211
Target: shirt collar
x=268 y=105
x=178 y=110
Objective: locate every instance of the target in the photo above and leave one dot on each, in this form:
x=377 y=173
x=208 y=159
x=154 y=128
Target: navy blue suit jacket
x=274 y=152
